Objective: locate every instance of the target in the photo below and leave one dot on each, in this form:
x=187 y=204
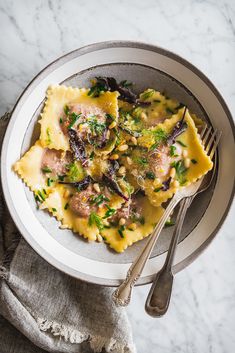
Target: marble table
x=201 y=317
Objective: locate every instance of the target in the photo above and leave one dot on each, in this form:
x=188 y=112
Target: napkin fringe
x=72 y=335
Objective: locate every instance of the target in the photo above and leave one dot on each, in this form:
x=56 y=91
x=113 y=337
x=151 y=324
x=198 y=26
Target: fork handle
x=122 y=295
x=159 y=296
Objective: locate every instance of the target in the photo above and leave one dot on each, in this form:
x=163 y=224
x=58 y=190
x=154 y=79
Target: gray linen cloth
x=47 y=310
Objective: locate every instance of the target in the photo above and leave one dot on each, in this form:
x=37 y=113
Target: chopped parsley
x=160 y=136
x=41 y=195
x=180 y=171
x=66 y=206
x=96 y=90
x=61 y=177
x=109 y=212
x=49 y=181
x=181 y=143
x=92 y=155
x=137 y=218
x=141 y=161
x=121 y=230
x=54 y=209
x=150 y=175
x=66 y=110
x=75 y=172
x=169 y=223
x=61 y=121
x=172 y=151
x=147 y=94
x=94 y=219
x=48 y=140
x=73 y=118
x=46 y=170
x=169 y=110
x=98 y=200
x=158 y=189
x=97 y=127
x=194 y=161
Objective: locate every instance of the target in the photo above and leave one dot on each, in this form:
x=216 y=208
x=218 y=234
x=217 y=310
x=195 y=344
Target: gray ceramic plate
x=146 y=66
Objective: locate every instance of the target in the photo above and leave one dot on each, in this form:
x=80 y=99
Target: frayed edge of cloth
x=72 y=335
x=4 y=273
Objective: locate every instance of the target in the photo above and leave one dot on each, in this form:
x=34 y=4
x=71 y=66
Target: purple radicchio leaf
x=179 y=128
x=166 y=184
x=102 y=140
x=77 y=146
x=110 y=84
x=81 y=185
x=112 y=184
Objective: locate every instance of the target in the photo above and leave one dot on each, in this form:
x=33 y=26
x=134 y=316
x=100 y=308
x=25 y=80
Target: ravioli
x=200 y=163
x=151 y=216
x=57 y=203
x=29 y=168
x=57 y=98
x=103 y=164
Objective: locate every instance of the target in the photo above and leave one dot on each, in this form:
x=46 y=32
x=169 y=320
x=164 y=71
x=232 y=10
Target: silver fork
x=122 y=295
x=159 y=295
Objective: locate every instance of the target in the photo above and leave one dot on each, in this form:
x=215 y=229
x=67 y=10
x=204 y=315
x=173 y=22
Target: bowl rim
x=88 y=49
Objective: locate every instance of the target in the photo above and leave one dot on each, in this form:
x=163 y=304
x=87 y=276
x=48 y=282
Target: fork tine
x=210 y=142
x=216 y=142
x=203 y=131
x=204 y=139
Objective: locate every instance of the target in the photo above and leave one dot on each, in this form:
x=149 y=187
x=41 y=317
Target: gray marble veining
x=201 y=317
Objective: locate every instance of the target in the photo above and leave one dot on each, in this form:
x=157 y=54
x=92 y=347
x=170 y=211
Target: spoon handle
x=159 y=296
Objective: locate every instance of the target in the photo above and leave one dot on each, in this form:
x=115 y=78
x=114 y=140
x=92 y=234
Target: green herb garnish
x=180 y=171
x=194 y=161
x=121 y=230
x=61 y=121
x=46 y=170
x=75 y=172
x=73 y=118
x=157 y=189
x=141 y=161
x=96 y=90
x=150 y=175
x=98 y=200
x=66 y=110
x=92 y=155
x=66 y=206
x=48 y=140
x=169 y=223
x=172 y=151
x=97 y=128
x=54 y=209
x=147 y=94
x=169 y=110
x=95 y=219
x=49 y=181
x=41 y=195
x=61 y=177
x=181 y=143
x=109 y=212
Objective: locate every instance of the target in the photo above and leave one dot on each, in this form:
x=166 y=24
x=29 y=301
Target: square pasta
x=160 y=169
x=29 y=169
x=58 y=203
x=58 y=98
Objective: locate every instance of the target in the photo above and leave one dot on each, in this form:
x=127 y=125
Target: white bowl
x=147 y=66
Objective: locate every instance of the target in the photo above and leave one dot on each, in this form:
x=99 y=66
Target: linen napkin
x=47 y=310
